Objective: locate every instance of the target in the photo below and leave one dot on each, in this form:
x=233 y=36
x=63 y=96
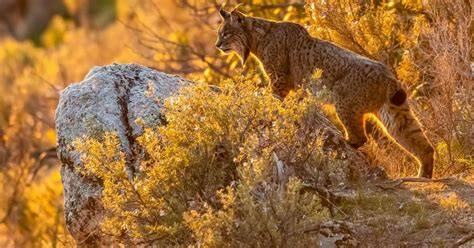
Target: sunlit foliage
x=428 y=44
x=31 y=78
x=209 y=177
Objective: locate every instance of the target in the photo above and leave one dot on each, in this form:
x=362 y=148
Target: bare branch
x=397 y=182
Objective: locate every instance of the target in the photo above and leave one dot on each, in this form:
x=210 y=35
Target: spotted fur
x=359 y=85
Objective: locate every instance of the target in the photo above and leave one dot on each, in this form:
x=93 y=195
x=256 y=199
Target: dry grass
x=444 y=102
x=417 y=214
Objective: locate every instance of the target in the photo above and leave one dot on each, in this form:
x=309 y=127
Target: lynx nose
x=218 y=44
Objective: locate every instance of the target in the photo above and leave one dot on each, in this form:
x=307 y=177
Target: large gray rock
x=110 y=98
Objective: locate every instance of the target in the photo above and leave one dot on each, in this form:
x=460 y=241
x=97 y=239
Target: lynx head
x=233 y=35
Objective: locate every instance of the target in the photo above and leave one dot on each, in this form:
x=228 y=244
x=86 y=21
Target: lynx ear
x=224 y=14
x=237 y=17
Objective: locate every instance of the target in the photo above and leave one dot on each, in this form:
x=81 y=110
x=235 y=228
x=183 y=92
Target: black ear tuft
x=236 y=8
x=224 y=14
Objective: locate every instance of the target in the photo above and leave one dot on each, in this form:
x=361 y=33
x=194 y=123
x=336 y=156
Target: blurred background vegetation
x=47 y=44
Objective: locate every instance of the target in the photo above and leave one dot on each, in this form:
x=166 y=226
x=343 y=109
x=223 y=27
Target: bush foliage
x=209 y=175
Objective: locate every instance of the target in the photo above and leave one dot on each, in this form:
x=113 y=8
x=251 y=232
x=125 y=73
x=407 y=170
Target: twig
x=397 y=182
x=280 y=6
x=280 y=168
x=341 y=227
x=463 y=240
x=328 y=198
x=39 y=163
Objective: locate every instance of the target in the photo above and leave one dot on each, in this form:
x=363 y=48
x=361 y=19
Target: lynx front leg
x=354 y=124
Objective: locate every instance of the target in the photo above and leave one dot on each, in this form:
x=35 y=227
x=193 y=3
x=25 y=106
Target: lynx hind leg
x=402 y=125
x=355 y=127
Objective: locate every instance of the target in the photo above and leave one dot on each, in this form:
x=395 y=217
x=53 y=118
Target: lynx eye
x=225 y=36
